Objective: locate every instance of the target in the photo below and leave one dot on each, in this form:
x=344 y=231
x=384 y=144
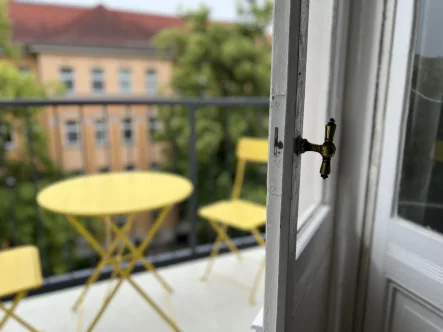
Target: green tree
x=218 y=59
x=6 y=46
x=27 y=168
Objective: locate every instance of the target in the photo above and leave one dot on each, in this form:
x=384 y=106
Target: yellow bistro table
x=112 y=194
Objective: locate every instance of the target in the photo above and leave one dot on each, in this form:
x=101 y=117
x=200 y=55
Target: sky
x=220 y=9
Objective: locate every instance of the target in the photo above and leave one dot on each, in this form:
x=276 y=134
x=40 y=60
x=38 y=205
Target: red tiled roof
x=98 y=26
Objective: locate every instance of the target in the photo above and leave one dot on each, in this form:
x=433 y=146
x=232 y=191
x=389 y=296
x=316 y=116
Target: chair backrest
x=253 y=149
x=249 y=149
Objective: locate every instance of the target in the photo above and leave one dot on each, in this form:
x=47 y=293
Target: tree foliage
x=27 y=167
x=6 y=46
x=218 y=59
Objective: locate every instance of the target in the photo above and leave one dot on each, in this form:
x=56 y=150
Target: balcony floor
x=220 y=304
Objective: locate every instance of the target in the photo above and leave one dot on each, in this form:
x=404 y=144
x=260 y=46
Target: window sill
x=73 y=146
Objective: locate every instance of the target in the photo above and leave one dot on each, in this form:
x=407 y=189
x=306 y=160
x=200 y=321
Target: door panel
x=299 y=203
x=407 y=246
x=410 y=314
x=414 y=259
x=312 y=312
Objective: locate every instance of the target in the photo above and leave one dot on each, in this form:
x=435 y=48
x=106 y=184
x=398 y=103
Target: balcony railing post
x=58 y=125
x=34 y=177
x=9 y=182
x=193 y=171
x=108 y=134
x=83 y=138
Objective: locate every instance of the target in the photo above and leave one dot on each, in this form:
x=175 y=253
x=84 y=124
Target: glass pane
x=421 y=184
x=321 y=13
x=127 y=131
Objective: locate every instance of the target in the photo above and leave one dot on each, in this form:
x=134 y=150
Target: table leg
x=139 y=254
x=105 y=260
x=123 y=273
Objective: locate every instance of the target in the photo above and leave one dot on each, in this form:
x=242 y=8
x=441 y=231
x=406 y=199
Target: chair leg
x=221 y=231
x=10 y=314
x=15 y=303
x=261 y=268
x=258 y=237
x=257 y=279
x=214 y=252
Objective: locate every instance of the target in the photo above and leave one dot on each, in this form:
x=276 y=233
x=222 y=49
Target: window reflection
x=421 y=184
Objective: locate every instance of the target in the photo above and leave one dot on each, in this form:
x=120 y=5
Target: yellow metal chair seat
x=236 y=213
x=20 y=273
x=20 y=270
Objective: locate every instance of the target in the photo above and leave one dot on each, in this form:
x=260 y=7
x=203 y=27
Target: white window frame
x=97 y=76
x=128 y=125
x=125 y=78
x=68 y=75
x=101 y=128
x=73 y=126
x=151 y=82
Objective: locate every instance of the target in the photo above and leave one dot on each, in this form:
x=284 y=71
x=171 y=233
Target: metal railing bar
x=130 y=158
x=79 y=277
x=193 y=174
x=134 y=100
x=9 y=183
x=108 y=144
x=83 y=137
x=34 y=177
x=59 y=144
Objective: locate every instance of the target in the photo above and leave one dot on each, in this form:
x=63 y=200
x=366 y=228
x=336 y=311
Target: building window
x=151 y=82
x=130 y=167
x=24 y=70
x=154 y=166
x=124 y=81
x=154 y=126
x=127 y=131
x=104 y=169
x=7 y=138
x=67 y=78
x=120 y=220
x=101 y=132
x=72 y=133
x=97 y=81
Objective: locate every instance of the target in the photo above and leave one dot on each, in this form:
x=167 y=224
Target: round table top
x=114 y=193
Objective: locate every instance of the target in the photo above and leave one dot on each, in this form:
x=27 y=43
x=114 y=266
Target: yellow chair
x=238 y=213
x=20 y=272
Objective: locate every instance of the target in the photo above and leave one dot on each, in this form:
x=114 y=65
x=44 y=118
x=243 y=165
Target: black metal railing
x=30 y=159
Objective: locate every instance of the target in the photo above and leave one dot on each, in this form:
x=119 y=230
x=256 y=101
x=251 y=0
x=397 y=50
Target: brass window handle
x=326 y=150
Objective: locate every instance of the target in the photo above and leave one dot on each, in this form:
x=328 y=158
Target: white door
x=299 y=201
x=405 y=292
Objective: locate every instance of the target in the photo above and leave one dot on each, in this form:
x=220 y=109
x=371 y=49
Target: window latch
x=278 y=145
x=326 y=150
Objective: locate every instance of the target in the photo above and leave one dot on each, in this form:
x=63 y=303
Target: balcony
x=84 y=136
x=221 y=304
